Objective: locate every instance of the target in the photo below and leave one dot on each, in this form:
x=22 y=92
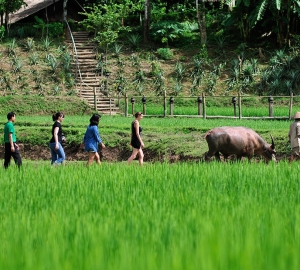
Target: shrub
x=165 y=53
x=55 y=29
x=2 y=32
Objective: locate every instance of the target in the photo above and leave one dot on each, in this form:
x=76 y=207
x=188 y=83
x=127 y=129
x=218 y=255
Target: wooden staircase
x=87 y=79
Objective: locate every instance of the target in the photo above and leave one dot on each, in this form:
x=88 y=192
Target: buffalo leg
x=208 y=155
x=217 y=155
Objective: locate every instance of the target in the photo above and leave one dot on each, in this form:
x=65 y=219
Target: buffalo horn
x=273 y=144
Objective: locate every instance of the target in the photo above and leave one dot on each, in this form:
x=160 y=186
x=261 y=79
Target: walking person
x=136 y=139
x=11 y=148
x=92 y=139
x=57 y=152
x=294 y=138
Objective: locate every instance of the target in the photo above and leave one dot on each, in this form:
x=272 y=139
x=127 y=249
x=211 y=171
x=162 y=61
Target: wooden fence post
x=204 y=105
x=233 y=101
x=240 y=105
x=291 y=106
x=126 y=105
x=144 y=100
x=132 y=105
x=165 y=103
x=200 y=109
x=171 y=105
x=271 y=113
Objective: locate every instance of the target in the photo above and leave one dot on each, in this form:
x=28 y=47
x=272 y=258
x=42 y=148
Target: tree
x=65 y=10
x=147 y=20
x=274 y=16
x=9 y=6
x=201 y=20
x=106 y=22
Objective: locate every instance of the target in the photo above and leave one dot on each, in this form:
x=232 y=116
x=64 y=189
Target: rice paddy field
x=187 y=215
x=161 y=216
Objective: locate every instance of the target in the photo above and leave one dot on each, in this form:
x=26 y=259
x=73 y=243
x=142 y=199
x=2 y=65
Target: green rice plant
x=170 y=216
x=52 y=62
x=179 y=71
x=56 y=89
x=66 y=61
x=46 y=43
x=29 y=44
x=117 y=49
x=11 y=49
x=134 y=40
x=7 y=81
x=135 y=61
x=178 y=87
x=16 y=64
x=33 y=59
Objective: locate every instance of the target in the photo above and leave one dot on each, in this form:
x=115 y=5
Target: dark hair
x=10 y=115
x=56 y=115
x=94 y=120
x=137 y=114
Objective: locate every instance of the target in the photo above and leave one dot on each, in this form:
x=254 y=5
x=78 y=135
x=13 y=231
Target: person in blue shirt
x=92 y=139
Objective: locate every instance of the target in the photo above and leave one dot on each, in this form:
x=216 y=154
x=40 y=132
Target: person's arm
x=298 y=131
x=55 y=136
x=12 y=146
x=98 y=138
x=137 y=132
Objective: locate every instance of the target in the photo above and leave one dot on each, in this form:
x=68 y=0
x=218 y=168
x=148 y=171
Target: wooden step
x=89 y=82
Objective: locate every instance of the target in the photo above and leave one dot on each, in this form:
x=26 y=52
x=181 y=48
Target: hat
x=297 y=115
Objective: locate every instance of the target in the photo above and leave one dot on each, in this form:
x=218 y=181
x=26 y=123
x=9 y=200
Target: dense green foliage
x=231 y=61
x=161 y=216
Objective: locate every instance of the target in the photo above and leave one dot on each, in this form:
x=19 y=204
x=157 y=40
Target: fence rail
x=237 y=107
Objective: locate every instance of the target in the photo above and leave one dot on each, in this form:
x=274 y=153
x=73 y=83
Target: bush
x=55 y=29
x=165 y=53
x=2 y=32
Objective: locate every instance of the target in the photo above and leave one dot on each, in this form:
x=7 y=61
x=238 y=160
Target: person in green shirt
x=10 y=138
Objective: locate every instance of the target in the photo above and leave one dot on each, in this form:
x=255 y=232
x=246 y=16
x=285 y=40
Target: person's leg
x=97 y=158
x=133 y=155
x=17 y=157
x=7 y=155
x=60 y=154
x=53 y=153
x=141 y=157
x=91 y=158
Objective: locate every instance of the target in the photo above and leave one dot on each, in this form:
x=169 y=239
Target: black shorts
x=136 y=144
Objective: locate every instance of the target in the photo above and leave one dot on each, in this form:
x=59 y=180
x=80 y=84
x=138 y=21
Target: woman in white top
x=294 y=138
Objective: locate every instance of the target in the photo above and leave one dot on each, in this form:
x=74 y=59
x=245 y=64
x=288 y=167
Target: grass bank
x=39 y=105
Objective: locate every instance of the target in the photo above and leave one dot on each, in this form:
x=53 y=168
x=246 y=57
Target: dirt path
x=108 y=154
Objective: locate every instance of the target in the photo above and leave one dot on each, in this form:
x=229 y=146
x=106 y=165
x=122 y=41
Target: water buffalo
x=239 y=141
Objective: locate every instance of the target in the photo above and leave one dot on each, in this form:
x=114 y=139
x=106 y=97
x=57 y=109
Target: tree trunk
x=147 y=21
x=6 y=20
x=65 y=12
x=201 y=20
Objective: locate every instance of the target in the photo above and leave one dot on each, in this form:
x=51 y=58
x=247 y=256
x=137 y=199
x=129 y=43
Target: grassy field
x=161 y=216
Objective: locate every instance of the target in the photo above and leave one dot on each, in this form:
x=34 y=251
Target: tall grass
x=161 y=216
